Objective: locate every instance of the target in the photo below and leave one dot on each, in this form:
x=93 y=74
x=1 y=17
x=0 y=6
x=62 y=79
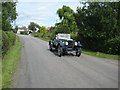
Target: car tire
x=78 y=52
x=60 y=51
x=50 y=47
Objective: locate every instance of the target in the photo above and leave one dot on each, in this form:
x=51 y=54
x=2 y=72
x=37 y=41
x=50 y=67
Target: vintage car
x=64 y=44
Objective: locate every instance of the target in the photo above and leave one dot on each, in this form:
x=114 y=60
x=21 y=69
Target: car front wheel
x=60 y=51
x=50 y=47
x=78 y=52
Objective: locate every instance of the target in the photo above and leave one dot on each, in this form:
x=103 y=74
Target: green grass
x=44 y=39
x=99 y=54
x=10 y=62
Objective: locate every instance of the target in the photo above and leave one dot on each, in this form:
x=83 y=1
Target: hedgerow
x=8 y=40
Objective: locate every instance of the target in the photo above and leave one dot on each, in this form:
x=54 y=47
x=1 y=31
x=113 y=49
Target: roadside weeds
x=10 y=62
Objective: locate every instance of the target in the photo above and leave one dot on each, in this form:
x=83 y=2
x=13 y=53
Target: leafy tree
x=37 y=26
x=9 y=14
x=33 y=26
x=98 y=24
x=52 y=29
x=68 y=24
x=0 y=15
x=43 y=30
x=62 y=28
x=16 y=29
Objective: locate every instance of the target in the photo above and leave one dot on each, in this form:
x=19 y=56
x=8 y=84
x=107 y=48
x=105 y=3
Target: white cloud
x=38 y=18
x=43 y=13
x=27 y=22
x=50 y=0
x=42 y=8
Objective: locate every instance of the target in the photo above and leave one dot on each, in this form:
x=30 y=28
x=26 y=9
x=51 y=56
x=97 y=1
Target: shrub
x=113 y=46
x=24 y=32
x=0 y=43
x=36 y=34
x=5 y=43
x=11 y=37
x=8 y=40
x=52 y=35
x=73 y=36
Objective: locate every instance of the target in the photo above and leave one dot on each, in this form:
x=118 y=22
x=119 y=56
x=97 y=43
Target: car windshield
x=65 y=40
x=62 y=40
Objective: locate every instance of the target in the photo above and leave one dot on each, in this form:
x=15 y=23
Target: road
x=40 y=68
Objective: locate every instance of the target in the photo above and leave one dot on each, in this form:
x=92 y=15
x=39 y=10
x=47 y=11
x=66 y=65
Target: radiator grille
x=70 y=44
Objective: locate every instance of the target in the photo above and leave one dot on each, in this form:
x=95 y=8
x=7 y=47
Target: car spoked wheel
x=60 y=51
x=78 y=52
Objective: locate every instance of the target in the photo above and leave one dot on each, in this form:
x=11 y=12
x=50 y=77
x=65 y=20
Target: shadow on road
x=56 y=54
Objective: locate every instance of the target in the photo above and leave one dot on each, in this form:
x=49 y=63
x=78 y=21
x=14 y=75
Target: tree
x=39 y=27
x=68 y=24
x=98 y=24
x=0 y=15
x=16 y=29
x=62 y=28
x=33 y=26
x=9 y=14
x=43 y=30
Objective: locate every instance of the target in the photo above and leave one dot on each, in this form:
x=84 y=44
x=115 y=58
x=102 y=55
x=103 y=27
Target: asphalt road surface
x=41 y=68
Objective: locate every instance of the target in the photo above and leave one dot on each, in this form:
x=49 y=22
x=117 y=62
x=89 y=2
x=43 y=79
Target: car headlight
x=75 y=43
x=66 y=43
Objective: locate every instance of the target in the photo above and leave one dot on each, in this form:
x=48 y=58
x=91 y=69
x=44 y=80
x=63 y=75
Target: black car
x=64 y=45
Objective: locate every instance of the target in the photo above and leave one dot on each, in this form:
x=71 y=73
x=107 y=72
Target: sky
x=42 y=12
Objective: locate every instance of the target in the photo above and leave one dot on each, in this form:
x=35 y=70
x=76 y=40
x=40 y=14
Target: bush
x=24 y=32
x=11 y=37
x=0 y=42
x=73 y=36
x=8 y=40
x=113 y=46
x=36 y=34
x=5 y=43
x=52 y=35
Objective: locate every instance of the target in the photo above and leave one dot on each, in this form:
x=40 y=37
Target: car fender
x=79 y=45
x=61 y=44
x=51 y=42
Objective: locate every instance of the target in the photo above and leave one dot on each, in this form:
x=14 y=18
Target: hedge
x=8 y=40
x=73 y=36
x=0 y=43
x=24 y=32
x=113 y=46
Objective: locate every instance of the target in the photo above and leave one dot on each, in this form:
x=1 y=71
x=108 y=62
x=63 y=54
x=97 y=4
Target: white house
x=21 y=29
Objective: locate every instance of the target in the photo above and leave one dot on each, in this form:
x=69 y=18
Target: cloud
x=43 y=13
x=42 y=8
x=27 y=22
x=38 y=18
x=50 y=0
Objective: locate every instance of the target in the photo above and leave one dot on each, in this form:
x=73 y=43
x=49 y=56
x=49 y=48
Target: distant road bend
x=40 y=68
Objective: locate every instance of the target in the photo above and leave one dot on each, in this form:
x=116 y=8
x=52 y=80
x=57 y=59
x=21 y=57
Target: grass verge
x=44 y=39
x=10 y=62
x=99 y=54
